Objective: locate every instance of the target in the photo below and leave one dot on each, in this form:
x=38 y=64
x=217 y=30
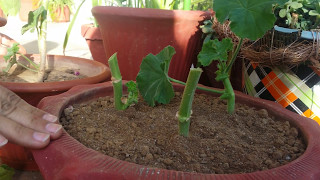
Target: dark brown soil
x=24 y=75
x=247 y=141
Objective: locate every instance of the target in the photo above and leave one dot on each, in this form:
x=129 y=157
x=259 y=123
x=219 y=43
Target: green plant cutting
x=37 y=20
x=249 y=19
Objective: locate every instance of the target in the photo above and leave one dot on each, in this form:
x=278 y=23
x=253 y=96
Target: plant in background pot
x=66 y=158
x=83 y=71
x=283 y=66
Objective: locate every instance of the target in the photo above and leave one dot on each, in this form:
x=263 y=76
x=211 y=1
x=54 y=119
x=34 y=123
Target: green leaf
x=11 y=51
x=295 y=5
x=132 y=93
x=6 y=172
x=249 y=18
x=165 y=57
x=314 y=13
x=34 y=17
x=283 y=13
x=215 y=50
x=10 y=7
x=153 y=81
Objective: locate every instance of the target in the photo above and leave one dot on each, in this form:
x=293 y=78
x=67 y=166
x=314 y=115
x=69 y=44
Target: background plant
x=299 y=14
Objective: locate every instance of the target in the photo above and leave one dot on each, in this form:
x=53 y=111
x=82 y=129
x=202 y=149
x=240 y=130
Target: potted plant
x=283 y=66
x=158 y=28
x=91 y=32
x=94 y=72
x=67 y=158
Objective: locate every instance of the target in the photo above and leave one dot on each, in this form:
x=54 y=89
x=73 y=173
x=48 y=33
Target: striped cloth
x=295 y=88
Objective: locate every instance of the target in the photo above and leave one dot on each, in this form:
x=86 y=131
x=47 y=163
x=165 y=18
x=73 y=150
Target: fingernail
x=41 y=136
x=53 y=128
x=50 y=117
x=3 y=141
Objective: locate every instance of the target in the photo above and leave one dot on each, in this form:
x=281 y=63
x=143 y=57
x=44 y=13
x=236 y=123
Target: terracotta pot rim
x=123 y=12
x=89 y=32
x=61 y=85
x=310 y=160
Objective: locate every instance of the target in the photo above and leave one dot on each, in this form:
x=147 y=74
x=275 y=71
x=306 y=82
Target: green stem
x=66 y=38
x=31 y=62
x=198 y=87
x=229 y=95
x=234 y=55
x=116 y=81
x=184 y=113
x=186 y=4
x=42 y=37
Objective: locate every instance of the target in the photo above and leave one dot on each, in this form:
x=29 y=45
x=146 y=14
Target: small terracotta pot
x=135 y=32
x=61 y=16
x=19 y=157
x=94 y=40
x=26 y=7
x=66 y=158
x=6 y=42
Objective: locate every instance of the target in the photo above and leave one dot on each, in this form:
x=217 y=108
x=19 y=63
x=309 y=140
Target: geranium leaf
x=34 y=17
x=249 y=18
x=215 y=50
x=153 y=81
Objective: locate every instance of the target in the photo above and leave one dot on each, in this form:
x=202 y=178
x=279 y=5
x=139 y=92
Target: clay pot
x=136 y=32
x=19 y=157
x=94 y=40
x=61 y=16
x=6 y=42
x=26 y=7
x=66 y=158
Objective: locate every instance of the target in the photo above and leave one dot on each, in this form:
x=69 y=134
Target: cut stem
x=198 y=87
x=185 y=112
x=229 y=95
x=116 y=81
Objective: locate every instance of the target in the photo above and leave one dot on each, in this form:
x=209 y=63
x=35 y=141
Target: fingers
x=36 y=119
x=3 y=141
x=18 y=134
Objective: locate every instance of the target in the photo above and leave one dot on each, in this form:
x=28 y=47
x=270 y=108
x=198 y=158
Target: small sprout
x=77 y=73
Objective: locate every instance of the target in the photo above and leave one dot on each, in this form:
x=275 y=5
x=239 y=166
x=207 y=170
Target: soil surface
x=20 y=74
x=247 y=141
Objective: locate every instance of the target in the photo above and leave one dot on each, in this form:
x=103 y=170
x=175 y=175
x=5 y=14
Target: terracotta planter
x=26 y=7
x=20 y=157
x=60 y=15
x=136 y=32
x=66 y=158
x=94 y=40
x=6 y=42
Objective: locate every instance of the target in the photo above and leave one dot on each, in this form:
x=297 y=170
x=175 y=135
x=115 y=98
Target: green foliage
x=299 y=14
x=215 y=50
x=10 y=7
x=249 y=18
x=133 y=93
x=11 y=59
x=153 y=81
x=35 y=19
x=6 y=172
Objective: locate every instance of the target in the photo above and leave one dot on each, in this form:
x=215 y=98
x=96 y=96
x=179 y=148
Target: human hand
x=23 y=124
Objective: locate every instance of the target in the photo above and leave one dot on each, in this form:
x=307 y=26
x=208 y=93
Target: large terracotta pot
x=20 y=157
x=93 y=38
x=136 y=32
x=66 y=158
